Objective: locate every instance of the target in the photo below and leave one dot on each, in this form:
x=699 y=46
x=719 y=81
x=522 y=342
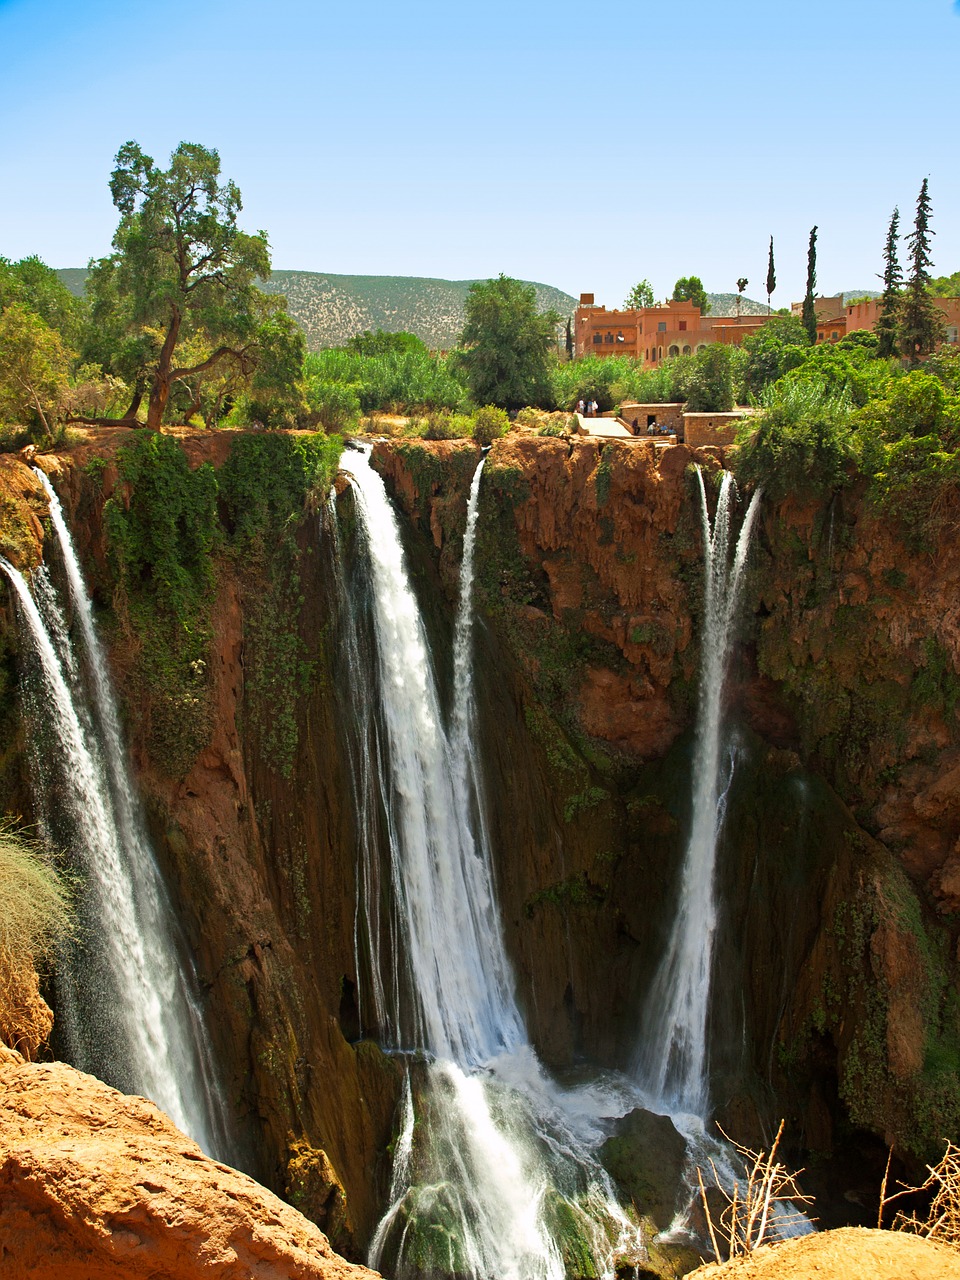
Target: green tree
x=38 y=288
x=34 y=370
x=771 y=276
x=946 y=286
x=182 y=269
x=690 y=289
x=742 y=283
x=921 y=327
x=771 y=352
x=505 y=346
x=641 y=295
x=710 y=384
x=888 y=321
x=809 y=314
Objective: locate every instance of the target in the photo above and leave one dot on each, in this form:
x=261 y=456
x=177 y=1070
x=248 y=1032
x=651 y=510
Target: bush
x=489 y=424
x=444 y=425
x=710 y=385
x=336 y=404
x=800 y=443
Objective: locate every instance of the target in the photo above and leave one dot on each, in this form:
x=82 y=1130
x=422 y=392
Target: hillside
x=725 y=304
x=332 y=308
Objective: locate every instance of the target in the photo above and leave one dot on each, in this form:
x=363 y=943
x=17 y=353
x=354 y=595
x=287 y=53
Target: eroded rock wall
x=838 y=857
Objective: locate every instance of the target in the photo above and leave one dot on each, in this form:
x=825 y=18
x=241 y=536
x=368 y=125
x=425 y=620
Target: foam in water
x=673 y=1060
x=126 y=997
x=499 y=1175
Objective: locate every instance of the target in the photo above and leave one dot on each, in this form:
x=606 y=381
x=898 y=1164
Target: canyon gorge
x=233 y=579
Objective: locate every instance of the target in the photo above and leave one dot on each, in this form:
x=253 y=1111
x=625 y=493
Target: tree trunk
x=160 y=391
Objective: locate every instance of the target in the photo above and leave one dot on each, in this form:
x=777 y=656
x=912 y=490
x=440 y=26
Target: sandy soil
x=851 y=1253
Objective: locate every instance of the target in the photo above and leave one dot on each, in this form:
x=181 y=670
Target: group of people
x=589 y=409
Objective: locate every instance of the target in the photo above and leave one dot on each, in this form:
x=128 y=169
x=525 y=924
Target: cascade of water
x=673 y=1058
x=127 y=998
x=502 y=1164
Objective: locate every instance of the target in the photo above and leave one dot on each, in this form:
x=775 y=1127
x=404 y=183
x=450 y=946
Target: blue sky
x=585 y=145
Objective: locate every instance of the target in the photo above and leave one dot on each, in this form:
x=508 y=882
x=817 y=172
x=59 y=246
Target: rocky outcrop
x=94 y=1184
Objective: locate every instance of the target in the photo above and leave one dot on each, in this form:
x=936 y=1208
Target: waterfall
x=127 y=998
x=673 y=1061
x=499 y=1176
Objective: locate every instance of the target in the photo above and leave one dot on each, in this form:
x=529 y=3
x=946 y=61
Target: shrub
x=444 y=425
x=800 y=443
x=710 y=385
x=35 y=903
x=336 y=404
x=489 y=424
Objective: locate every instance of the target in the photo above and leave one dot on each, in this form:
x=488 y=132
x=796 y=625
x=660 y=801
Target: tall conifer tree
x=920 y=325
x=809 y=315
x=771 y=275
x=888 y=321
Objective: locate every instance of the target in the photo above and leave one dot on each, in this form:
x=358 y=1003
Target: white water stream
x=674 y=1061
x=127 y=999
x=499 y=1176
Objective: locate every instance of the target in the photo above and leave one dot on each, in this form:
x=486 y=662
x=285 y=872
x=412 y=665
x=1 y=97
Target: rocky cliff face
x=837 y=994
x=259 y=856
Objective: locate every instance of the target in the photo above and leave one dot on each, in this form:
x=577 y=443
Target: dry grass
x=942 y=1220
x=35 y=910
x=35 y=914
x=752 y=1211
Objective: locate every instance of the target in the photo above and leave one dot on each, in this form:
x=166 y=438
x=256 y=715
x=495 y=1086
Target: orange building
x=864 y=315
x=651 y=334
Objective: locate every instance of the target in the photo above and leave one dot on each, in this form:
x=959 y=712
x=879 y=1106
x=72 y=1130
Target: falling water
x=127 y=1000
x=673 y=1060
x=501 y=1170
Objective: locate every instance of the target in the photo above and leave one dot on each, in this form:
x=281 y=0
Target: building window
x=682 y=326
x=686 y=351
x=597 y=339
x=700 y=347
x=661 y=326
x=833 y=336
x=620 y=337
x=608 y=338
x=952 y=333
x=674 y=351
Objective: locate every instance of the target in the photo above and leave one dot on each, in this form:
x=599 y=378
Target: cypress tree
x=920 y=325
x=569 y=340
x=809 y=315
x=888 y=321
x=771 y=276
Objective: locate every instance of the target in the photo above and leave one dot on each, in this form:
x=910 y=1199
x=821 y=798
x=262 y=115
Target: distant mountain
x=330 y=309
x=75 y=278
x=725 y=304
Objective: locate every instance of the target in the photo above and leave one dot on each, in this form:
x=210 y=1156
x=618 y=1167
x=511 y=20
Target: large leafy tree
x=920 y=325
x=690 y=289
x=888 y=321
x=809 y=314
x=506 y=344
x=34 y=369
x=641 y=295
x=181 y=279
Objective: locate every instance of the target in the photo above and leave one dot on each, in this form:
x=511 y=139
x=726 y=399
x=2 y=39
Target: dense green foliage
x=164 y=532
x=506 y=345
x=341 y=383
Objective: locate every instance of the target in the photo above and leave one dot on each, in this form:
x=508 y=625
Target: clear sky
x=584 y=145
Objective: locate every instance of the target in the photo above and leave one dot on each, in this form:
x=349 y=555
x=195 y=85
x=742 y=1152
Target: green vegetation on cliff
x=164 y=533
